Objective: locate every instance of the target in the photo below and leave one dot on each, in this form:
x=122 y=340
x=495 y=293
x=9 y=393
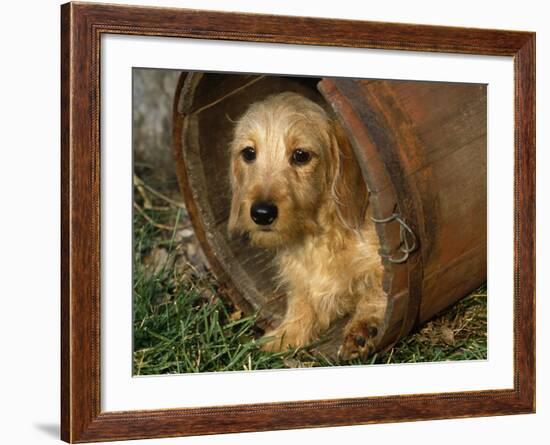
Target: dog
x=297 y=189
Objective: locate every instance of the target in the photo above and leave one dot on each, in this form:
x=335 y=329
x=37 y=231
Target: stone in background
x=153 y=93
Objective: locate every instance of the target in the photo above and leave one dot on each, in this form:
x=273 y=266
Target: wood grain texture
x=429 y=139
x=82 y=27
x=65 y=225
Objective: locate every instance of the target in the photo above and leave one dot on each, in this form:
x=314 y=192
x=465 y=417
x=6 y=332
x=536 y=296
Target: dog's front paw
x=281 y=339
x=272 y=341
x=360 y=339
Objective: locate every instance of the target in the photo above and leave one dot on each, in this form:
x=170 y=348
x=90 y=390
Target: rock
x=153 y=93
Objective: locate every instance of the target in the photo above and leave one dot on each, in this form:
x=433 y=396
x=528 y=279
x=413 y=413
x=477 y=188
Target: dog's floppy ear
x=348 y=190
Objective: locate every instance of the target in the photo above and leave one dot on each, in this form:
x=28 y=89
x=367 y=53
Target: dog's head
x=291 y=168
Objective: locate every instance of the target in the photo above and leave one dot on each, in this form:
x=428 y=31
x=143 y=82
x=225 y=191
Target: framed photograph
x=274 y=222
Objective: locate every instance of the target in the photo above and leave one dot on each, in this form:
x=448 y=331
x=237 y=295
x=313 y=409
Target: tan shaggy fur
x=325 y=243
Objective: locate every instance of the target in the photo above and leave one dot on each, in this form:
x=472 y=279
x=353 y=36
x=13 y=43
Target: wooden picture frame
x=82 y=26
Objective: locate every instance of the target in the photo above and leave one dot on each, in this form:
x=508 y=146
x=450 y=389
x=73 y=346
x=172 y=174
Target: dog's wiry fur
x=326 y=246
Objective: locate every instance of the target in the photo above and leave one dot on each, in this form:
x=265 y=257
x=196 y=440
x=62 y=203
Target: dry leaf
x=237 y=315
x=447 y=335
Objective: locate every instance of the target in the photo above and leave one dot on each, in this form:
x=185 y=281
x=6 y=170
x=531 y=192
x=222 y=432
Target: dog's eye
x=248 y=154
x=300 y=157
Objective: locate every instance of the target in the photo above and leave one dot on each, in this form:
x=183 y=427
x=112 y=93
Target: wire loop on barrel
x=408 y=240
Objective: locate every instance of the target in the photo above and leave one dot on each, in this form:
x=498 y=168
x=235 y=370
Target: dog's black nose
x=263 y=213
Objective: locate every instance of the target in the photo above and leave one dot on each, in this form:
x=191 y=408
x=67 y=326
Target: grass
x=183 y=322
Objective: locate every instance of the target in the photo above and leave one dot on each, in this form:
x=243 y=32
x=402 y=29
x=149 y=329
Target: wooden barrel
x=422 y=149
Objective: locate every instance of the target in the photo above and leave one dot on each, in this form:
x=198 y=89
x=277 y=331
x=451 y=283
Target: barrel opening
x=208 y=105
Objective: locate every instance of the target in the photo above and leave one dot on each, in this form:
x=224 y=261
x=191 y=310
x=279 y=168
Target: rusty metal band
x=388 y=149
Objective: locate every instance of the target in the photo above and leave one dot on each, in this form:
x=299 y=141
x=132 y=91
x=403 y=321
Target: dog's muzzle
x=263 y=213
